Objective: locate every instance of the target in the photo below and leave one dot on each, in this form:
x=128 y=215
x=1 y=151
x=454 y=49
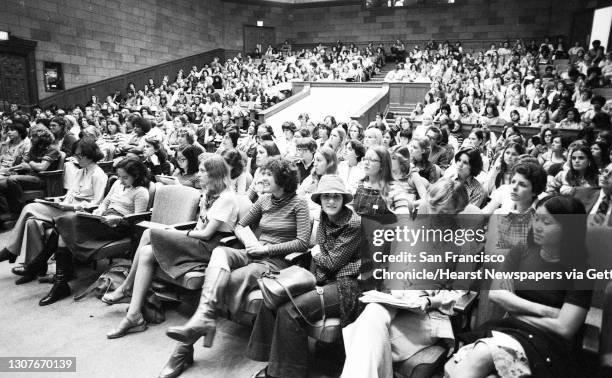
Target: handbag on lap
x=278 y=287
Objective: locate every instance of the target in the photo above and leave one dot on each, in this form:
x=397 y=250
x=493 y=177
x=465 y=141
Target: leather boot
x=60 y=289
x=203 y=322
x=181 y=359
x=38 y=266
x=5 y=255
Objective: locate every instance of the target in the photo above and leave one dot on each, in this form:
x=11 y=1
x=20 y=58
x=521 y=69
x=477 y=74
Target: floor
x=70 y=328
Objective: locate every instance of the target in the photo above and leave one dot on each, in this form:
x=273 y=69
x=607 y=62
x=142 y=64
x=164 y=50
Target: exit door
x=258 y=37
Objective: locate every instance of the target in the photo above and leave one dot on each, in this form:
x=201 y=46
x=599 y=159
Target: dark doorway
x=17 y=74
x=258 y=37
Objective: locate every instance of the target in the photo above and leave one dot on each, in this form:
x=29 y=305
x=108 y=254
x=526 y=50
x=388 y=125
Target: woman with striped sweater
x=231 y=274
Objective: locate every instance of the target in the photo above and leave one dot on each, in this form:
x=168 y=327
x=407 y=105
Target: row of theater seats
x=177 y=206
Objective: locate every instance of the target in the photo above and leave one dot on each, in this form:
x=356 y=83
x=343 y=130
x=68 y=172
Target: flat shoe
x=127 y=326
x=109 y=300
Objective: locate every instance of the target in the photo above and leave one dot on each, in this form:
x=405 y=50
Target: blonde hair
x=218 y=174
x=449 y=195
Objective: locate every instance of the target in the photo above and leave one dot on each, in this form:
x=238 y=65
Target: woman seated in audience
x=388 y=139
x=350 y=169
x=229 y=140
x=231 y=274
x=382 y=335
x=14 y=148
x=81 y=237
x=501 y=172
x=537 y=338
x=35 y=223
x=155 y=157
x=419 y=153
x=64 y=139
x=468 y=163
x=491 y=115
x=571 y=120
x=544 y=122
x=336 y=140
x=136 y=141
x=518 y=199
x=372 y=137
x=601 y=154
x=355 y=131
x=324 y=132
x=186 y=170
x=325 y=162
x=582 y=172
x=555 y=153
x=265 y=150
x=404 y=174
x=378 y=193
x=43 y=156
x=178 y=252
x=239 y=177
x=280 y=336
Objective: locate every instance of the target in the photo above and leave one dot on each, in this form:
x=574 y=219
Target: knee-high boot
x=60 y=289
x=203 y=322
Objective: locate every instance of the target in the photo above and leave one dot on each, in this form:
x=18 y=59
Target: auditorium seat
x=53 y=183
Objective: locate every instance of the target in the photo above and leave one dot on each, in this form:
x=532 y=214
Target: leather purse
x=278 y=287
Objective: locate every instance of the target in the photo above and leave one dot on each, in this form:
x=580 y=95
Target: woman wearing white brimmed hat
x=281 y=337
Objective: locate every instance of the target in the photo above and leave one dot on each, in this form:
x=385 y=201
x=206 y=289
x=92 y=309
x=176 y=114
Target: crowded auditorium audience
x=464 y=148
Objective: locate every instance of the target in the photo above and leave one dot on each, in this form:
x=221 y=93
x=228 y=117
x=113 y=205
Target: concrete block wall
x=98 y=39
x=466 y=19
x=239 y=14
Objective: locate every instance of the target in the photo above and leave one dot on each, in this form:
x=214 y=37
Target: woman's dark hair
x=136 y=169
x=474 y=159
x=402 y=155
x=233 y=135
x=392 y=135
x=514 y=128
x=534 y=173
x=324 y=126
x=19 y=127
x=571 y=214
x=576 y=114
x=284 y=172
x=270 y=147
x=359 y=149
x=605 y=152
x=41 y=138
x=89 y=148
x=43 y=121
x=160 y=151
x=590 y=174
x=235 y=161
x=190 y=153
x=61 y=121
x=493 y=106
x=143 y=123
x=553 y=132
x=606 y=136
x=520 y=150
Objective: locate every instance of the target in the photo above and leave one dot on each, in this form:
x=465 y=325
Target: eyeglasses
x=370 y=160
x=181 y=159
x=80 y=156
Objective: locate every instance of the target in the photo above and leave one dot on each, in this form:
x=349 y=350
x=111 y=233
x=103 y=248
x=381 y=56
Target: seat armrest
x=137 y=217
x=61 y=198
x=465 y=303
x=184 y=225
x=51 y=173
x=295 y=256
x=228 y=239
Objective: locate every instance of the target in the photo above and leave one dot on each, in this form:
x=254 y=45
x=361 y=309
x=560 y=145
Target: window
x=404 y=3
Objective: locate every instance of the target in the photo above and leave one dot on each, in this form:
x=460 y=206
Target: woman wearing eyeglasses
x=187 y=166
x=177 y=252
x=35 y=230
x=378 y=193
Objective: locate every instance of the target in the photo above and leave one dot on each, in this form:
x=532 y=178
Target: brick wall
x=98 y=39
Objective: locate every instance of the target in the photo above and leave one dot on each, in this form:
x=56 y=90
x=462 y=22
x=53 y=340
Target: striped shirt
x=284 y=223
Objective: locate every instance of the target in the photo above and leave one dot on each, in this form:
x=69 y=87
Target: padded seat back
x=175 y=204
